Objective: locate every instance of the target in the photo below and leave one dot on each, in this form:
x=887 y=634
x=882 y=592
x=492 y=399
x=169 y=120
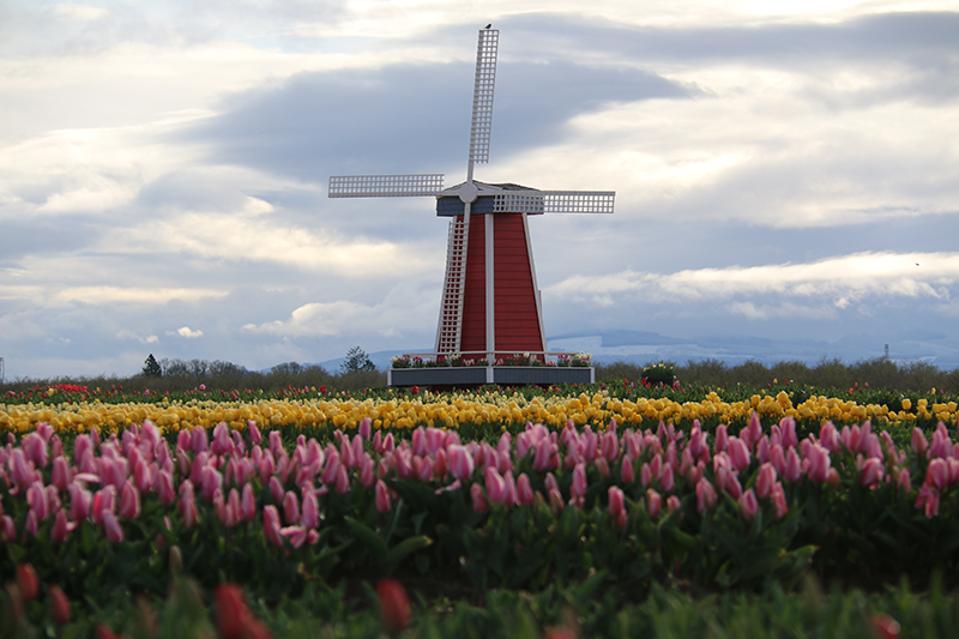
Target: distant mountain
x=643 y=347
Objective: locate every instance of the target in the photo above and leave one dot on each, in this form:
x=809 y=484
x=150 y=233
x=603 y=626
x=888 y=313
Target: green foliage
x=827 y=374
x=151 y=367
x=357 y=361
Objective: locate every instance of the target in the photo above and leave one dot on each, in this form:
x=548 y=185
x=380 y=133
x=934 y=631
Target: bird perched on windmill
x=490 y=308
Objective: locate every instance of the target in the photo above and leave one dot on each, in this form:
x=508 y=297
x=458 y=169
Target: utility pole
x=1 y=371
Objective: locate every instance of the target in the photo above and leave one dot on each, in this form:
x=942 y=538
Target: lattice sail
x=412 y=185
x=536 y=202
x=482 y=123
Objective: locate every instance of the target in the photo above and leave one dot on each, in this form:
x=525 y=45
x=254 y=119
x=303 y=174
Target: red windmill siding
x=473 y=335
x=517 y=321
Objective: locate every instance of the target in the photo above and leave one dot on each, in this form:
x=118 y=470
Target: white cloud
x=80 y=12
x=251 y=238
x=189 y=333
x=121 y=295
x=131 y=335
x=846 y=277
x=408 y=309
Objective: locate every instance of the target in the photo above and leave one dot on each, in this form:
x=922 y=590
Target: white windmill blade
x=485 y=81
x=578 y=201
x=534 y=202
x=410 y=185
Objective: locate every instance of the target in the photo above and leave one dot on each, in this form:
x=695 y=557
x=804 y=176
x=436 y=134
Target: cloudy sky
x=783 y=170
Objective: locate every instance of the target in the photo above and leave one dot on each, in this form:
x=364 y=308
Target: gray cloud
x=408 y=118
x=920 y=38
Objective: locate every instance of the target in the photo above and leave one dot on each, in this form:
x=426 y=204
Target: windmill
x=491 y=303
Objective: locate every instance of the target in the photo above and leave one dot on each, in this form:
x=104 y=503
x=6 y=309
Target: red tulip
x=885 y=627
x=232 y=614
x=59 y=605
x=27 y=582
x=394 y=604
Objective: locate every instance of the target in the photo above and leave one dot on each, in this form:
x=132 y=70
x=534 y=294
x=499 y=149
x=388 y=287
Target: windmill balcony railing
x=480 y=359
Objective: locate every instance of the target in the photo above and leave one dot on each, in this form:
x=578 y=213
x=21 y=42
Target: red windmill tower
x=490 y=309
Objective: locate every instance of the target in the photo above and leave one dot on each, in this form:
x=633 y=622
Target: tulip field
x=561 y=512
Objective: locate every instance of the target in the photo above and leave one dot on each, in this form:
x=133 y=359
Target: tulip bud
x=382 y=497
x=748 y=504
x=394 y=604
x=27 y=582
x=59 y=605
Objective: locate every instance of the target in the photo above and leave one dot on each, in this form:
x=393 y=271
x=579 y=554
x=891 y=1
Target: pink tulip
x=129 y=501
x=793 y=469
x=937 y=474
x=610 y=446
x=367 y=471
x=425 y=469
x=928 y=500
x=112 y=527
x=81 y=502
x=37 y=500
x=550 y=482
x=627 y=472
x=291 y=508
x=21 y=470
x=479 y=502
x=210 y=481
x=546 y=457
x=383 y=501
x=919 y=442
x=602 y=467
x=555 y=499
x=365 y=428
x=165 y=487
x=342 y=484
x=819 y=463
x=460 y=462
x=788 y=430
x=296 y=534
x=31 y=526
x=904 y=481
x=187 y=505
x=577 y=489
x=829 y=437
x=495 y=486
x=765 y=480
x=35 y=449
x=8 y=530
x=672 y=503
x=762 y=450
x=654 y=503
x=748 y=504
x=248 y=503
x=524 y=490
x=645 y=474
x=61 y=528
x=103 y=501
x=61 y=476
x=666 y=479
x=722 y=439
x=705 y=496
x=271 y=525
x=617 y=505
x=778 y=497
x=276 y=489
x=738 y=453
x=871 y=473
x=310 y=518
